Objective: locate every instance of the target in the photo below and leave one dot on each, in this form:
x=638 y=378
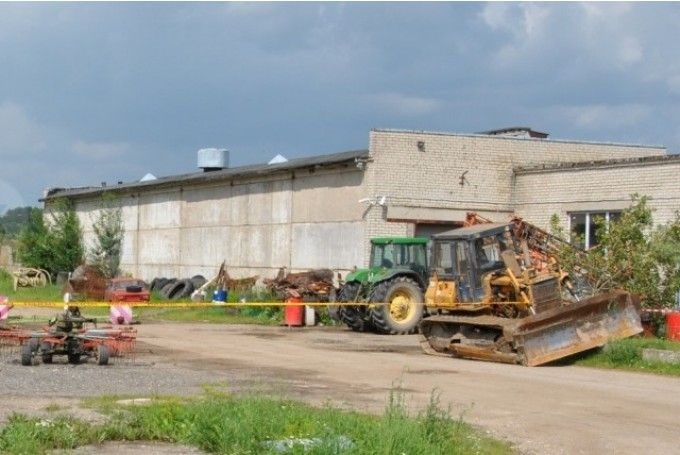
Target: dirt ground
x=556 y=410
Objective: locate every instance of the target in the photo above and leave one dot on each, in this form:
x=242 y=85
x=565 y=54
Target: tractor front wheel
x=403 y=309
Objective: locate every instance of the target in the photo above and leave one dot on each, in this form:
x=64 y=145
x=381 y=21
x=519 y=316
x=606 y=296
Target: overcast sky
x=93 y=92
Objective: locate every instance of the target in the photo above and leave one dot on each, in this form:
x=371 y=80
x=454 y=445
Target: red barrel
x=673 y=326
x=293 y=315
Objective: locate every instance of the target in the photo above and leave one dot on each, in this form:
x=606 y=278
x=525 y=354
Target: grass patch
x=219 y=423
x=221 y=315
x=627 y=355
x=53 y=407
x=263 y=315
x=251 y=315
x=48 y=293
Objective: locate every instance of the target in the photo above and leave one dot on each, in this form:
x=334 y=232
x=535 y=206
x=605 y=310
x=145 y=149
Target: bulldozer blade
x=478 y=353
x=575 y=328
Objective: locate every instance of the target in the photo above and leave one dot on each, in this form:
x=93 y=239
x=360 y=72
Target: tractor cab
x=463 y=257
x=394 y=281
x=400 y=253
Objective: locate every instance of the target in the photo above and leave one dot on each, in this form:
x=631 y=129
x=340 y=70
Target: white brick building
x=322 y=211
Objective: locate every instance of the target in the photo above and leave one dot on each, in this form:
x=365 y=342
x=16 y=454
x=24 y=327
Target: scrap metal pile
x=86 y=282
x=314 y=285
x=26 y=277
x=222 y=281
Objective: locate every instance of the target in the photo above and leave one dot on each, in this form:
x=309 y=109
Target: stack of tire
x=176 y=289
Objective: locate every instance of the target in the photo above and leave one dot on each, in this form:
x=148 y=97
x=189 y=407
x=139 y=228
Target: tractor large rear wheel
x=356 y=317
x=404 y=309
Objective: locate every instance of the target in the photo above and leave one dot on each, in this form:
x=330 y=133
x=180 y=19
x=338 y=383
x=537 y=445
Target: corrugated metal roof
x=212 y=176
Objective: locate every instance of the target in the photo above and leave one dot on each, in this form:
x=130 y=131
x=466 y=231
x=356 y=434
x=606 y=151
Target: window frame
x=589 y=215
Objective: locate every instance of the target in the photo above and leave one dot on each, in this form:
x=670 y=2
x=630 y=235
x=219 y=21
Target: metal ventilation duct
x=213 y=159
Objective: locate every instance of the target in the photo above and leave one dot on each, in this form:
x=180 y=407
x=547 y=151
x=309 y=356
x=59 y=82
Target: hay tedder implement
x=70 y=335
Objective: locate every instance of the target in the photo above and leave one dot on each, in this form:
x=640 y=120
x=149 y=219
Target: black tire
x=180 y=290
x=27 y=354
x=405 y=309
x=356 y=317
x=73 y=358
x=74 y=350
x=198 y=280
x=102 y=354
x=333 y=310
x=153 y=284
x=46 y=352
x=166 y=288
x=160 y=283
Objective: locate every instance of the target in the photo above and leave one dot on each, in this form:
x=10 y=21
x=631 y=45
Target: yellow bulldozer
x=496 y=292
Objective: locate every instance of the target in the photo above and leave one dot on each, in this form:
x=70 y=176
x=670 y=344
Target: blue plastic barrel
x=220 y=295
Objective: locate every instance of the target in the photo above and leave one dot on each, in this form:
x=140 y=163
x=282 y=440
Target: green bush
x=108 y=230
x=54 y=246
x=5 y=278
x=633 y=254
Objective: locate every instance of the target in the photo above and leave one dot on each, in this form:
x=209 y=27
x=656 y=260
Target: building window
x=582 y=227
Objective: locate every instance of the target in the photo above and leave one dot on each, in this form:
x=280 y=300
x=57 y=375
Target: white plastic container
x=310 y=315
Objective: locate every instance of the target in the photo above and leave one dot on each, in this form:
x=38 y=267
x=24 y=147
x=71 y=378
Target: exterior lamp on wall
x=421 y=146
x=378 y=200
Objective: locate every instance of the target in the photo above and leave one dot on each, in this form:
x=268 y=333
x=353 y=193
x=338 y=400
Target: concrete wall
x=302 y=221
x=88 y=211
x=454 y=173
x=312 y=218
x=540 y=193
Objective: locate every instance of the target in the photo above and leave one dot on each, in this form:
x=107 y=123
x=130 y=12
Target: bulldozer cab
x=464 y=256
x=493 y=304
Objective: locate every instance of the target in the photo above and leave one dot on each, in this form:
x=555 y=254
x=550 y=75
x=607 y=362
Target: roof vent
x=278 y=159
x=522 y=132
x=212 y=159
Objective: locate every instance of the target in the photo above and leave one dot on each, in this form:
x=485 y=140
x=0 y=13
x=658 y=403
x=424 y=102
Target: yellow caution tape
x=57 y=304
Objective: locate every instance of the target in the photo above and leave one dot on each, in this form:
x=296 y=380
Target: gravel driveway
x=556 y=410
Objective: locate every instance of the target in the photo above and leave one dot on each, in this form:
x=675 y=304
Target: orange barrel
x=673 y=326
x=293 y=315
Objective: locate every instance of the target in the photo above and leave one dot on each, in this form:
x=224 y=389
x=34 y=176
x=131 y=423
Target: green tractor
x=397 y=277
